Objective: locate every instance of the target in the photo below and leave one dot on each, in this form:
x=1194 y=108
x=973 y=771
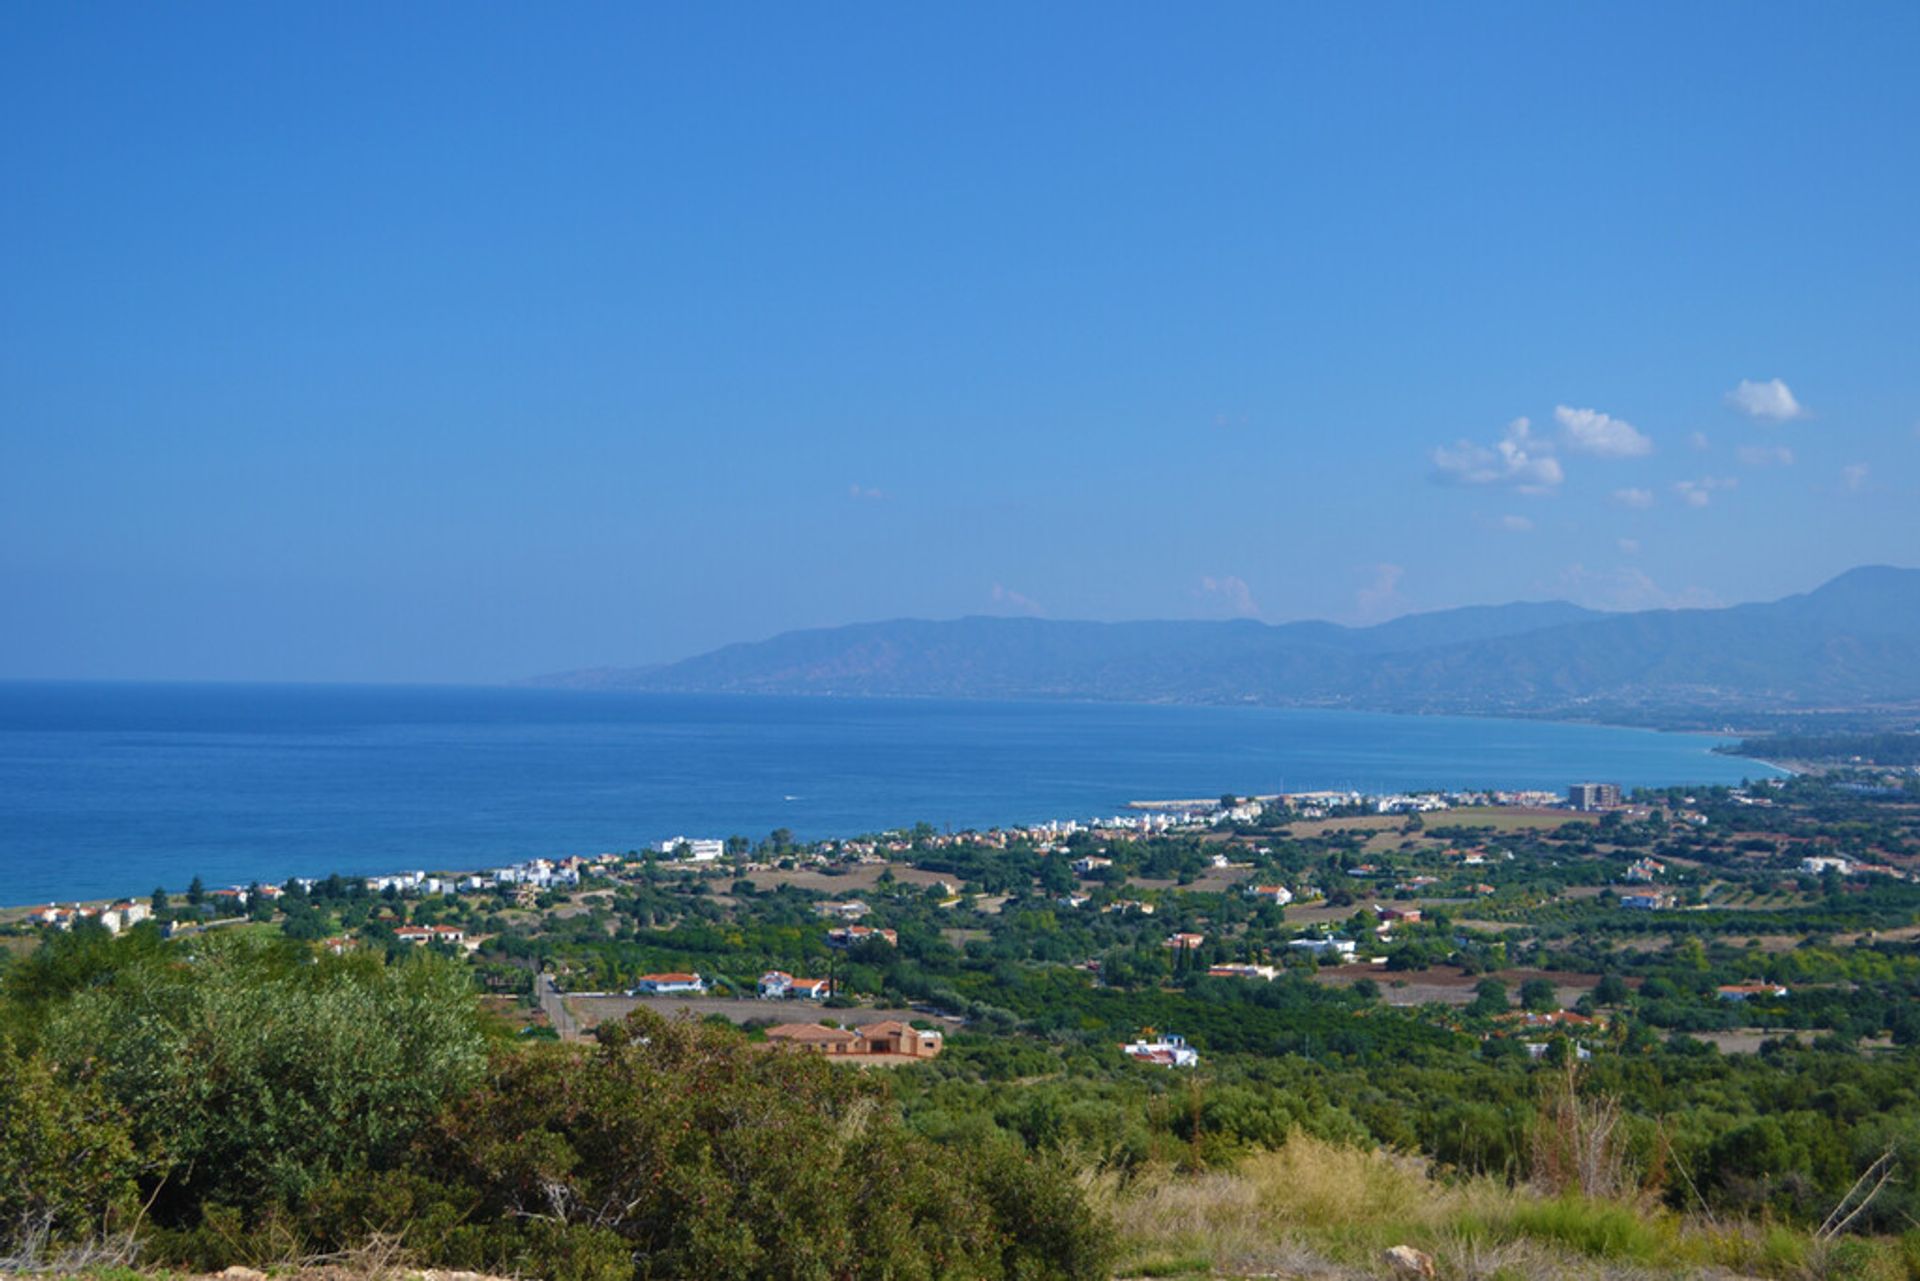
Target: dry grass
x=1319 y=1210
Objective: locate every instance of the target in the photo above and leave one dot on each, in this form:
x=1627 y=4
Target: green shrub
x=67 y=1159
x=705 y=1155
x=1602 y=1229
x=258 y=1074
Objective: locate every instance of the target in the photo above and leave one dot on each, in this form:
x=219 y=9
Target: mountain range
x=1851 y=645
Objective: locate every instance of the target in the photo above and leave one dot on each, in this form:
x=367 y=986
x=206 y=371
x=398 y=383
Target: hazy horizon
x=461 y=346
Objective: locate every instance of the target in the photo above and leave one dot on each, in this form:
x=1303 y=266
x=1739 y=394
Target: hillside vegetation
x=1516 y=1070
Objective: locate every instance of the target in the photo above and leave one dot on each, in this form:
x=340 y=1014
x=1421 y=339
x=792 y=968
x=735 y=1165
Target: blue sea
x=111 y=789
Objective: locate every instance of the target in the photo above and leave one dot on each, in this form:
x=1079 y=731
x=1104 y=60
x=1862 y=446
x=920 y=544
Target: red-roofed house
x=849 y=935
x=813 y=1038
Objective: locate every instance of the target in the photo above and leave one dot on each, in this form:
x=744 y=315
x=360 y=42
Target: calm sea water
x=114 y=789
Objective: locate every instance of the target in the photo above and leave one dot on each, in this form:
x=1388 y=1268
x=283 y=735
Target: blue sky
x=355 y=342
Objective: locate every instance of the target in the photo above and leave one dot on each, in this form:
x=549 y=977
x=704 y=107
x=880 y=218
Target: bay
x=113 y=789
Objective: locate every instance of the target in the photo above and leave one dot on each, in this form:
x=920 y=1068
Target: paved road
x=556 y=1010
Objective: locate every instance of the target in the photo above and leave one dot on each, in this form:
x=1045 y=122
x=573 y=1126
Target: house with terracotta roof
x=778 y=985
x=888 y=1039
x=814 y=1038
x=894 y=1037
x=1276 y=894
x=853 y=935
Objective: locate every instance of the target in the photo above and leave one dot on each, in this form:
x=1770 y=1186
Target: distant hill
x=1853 y=643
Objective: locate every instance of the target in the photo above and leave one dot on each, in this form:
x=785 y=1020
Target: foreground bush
x=235 y=1099
x=250 y=1073
x=67 y=1160
x=679 y=1149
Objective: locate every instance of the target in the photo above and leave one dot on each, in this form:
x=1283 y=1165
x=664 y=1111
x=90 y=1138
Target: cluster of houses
x=114 y=916
x=535 y=873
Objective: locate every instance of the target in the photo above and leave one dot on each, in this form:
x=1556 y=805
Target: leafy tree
x=1539 y=994
x=1611 y=990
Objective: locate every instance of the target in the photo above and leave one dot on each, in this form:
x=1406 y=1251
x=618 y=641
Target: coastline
x=1143 y=814
x=112 y=789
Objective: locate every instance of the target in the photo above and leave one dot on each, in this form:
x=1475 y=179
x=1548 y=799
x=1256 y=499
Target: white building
x=1241 y=970
x=778 y=985
x=664 y=984
x=1321 y=946
x=698 y=850
x=1166 y=1051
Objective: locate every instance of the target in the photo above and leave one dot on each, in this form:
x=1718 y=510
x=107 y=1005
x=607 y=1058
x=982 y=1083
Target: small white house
x=698 y=850
x=1165 y=1051
x=778 y=985
x=1344 y=949
x=667 y=984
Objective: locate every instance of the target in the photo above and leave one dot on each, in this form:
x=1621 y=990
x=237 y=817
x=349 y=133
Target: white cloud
x=1516 y=459
x=1765 y=455
x=1233 y=591
x=864 y=494
x=1628 y=546
x=1515 y=524
x=1771 y=400
x=1854 y=475
x=1698 y=493
x=1381 y=592
x=1638 y=499
x=1626 y=588
x=1699 y=441
x=1024 y=604
x=1588 y=431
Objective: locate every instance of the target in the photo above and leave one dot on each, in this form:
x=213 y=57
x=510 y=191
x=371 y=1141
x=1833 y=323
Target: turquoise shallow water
x=114 y=789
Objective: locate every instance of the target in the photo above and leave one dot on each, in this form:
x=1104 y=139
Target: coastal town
x=1443 y=904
